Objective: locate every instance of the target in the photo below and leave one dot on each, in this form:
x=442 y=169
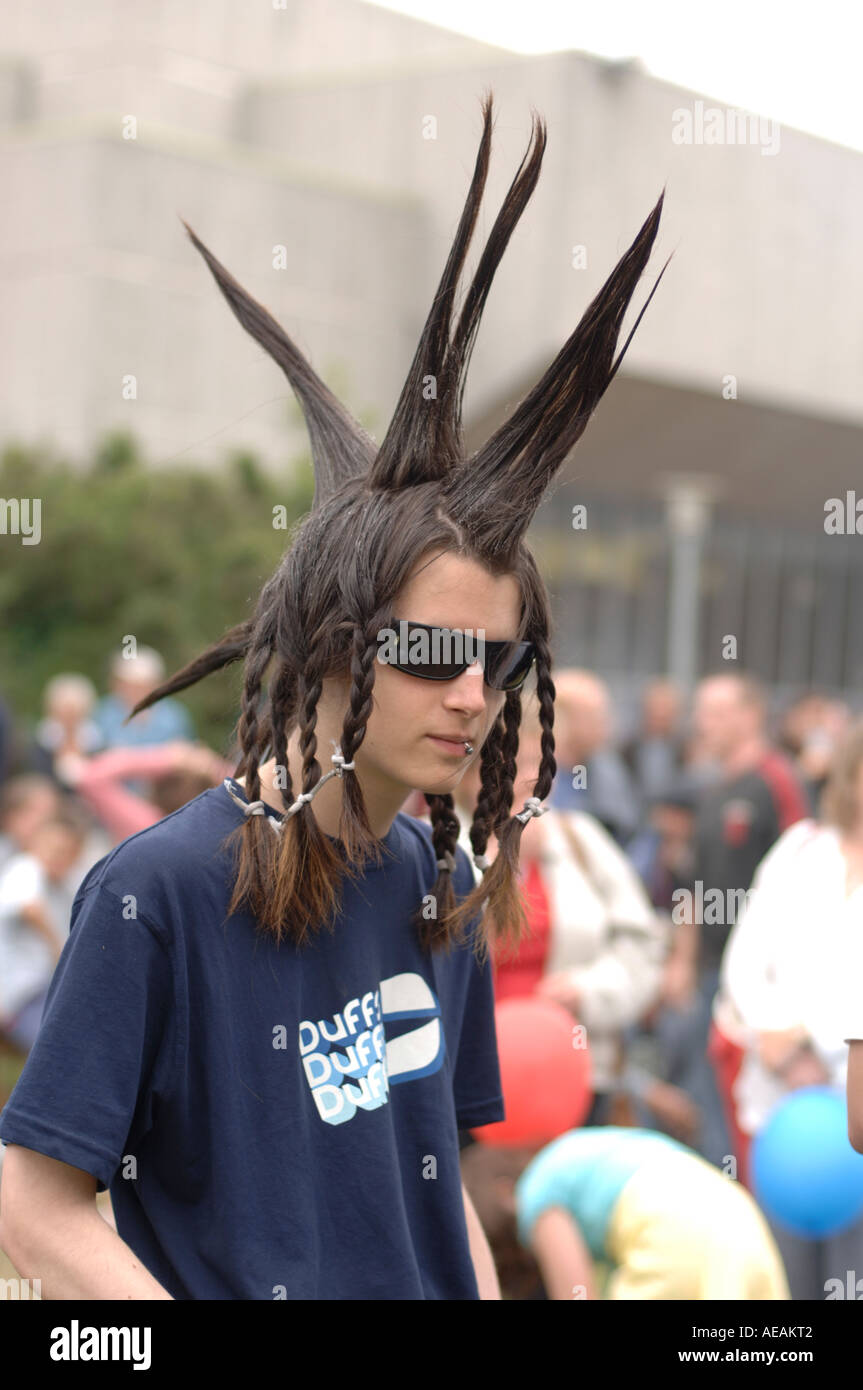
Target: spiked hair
x=319 y=615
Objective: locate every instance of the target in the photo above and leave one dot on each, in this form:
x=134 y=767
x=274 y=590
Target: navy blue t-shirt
x=272 y=1121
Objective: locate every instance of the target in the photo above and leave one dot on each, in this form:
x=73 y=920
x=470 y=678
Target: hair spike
x=421 y=442
x=495 y=494
x=341 y=448
x=517 y=198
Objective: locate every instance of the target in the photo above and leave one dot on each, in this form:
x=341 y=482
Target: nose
x=467 y=691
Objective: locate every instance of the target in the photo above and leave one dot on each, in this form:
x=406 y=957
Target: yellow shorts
x=682 y=1229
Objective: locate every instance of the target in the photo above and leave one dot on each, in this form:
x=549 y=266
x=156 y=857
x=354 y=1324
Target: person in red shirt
x=755 y=797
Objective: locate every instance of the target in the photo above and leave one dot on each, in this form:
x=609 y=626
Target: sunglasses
x=442 y=653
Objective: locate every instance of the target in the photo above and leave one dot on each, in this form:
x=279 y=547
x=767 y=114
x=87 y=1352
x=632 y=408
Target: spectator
x=179 y=772
x=755 y=797
x=811 y=730
x=25 y=802
x=666 y=1076
x=620 y=1213
x=131 y=679
x=785 y=973
x=655 y=755
x=67 y=725
x=662 y=852
x=591 y=777
x=34 y=916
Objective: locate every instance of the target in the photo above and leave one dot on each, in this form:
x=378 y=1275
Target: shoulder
x=589 y=829
x=799 y=839
x=166 y=862
x=539 y=1179
x=593 y=838
x=781 y=780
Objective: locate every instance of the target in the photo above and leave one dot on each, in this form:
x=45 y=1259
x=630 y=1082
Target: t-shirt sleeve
x=476 y=1081
x=84 y=1094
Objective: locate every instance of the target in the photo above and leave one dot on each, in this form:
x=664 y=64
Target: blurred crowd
x=76 y=783
x=671 y=851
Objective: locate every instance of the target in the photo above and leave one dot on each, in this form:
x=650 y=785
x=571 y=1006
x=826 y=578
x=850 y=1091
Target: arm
x=483 y=1263
x=99 y=780
x=51 y=1229
x=855 y=1094
x=563 y=1258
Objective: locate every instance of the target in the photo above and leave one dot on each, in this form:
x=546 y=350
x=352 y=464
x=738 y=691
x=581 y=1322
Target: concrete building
x=322 y=149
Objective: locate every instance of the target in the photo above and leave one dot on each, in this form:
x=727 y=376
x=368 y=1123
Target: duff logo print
x=349 y=1060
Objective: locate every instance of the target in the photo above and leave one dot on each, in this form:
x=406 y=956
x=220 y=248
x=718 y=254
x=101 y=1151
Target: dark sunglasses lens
x=506 y=663
x=429 y=652
x=507 y=668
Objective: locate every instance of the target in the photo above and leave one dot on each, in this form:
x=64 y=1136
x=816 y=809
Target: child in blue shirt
x=664 y=1222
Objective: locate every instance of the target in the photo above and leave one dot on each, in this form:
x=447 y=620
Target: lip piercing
x=468 y=747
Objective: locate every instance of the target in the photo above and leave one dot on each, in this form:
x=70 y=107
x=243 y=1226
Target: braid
x=254 y=838
x=310 y=690
x=282 y=701
x=508 y=752
x=481 y=826
x=313 y=868
x=445 y=832
x=355 y=829
x=545 y=694
x=498 y=895
x=257 y=662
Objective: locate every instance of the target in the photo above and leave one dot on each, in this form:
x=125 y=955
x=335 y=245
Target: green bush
x=173 y=556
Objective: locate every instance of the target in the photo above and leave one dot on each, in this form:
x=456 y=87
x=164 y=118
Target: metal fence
x=792 y=600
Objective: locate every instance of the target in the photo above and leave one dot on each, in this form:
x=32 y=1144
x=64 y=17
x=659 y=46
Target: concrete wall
x=304 y=127
x=766 y=269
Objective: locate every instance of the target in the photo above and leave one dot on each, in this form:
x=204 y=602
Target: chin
x=441 y=783
x=440 y=786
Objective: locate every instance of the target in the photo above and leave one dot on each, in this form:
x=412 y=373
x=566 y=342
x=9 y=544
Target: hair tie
x=340 y=768
x=481 y=862
x=532 y=807
x=260 y=808
x=447 y=864
x=253 y=808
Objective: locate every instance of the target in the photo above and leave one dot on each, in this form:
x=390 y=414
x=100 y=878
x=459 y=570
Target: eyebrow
x=445 y=627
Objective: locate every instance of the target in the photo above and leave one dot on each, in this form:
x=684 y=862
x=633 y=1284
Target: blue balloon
x=805 y=1174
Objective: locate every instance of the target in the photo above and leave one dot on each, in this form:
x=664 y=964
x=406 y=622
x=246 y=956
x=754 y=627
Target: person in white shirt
x=34 y=917
x=25 y=802
x=789 y=986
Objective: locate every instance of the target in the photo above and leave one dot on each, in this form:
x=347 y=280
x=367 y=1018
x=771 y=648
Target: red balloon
x=545 y=1072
